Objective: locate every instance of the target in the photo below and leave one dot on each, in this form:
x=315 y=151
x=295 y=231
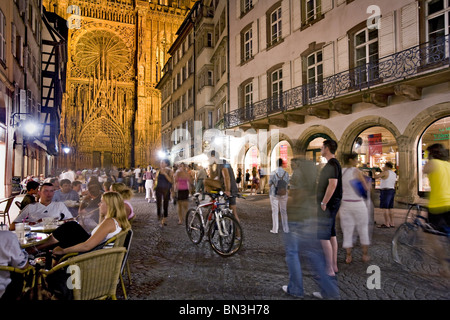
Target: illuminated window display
x=376 y=146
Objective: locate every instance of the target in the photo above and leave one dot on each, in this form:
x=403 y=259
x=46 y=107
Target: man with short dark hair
x=30 y=196
x=34 y=212
x=329 y=195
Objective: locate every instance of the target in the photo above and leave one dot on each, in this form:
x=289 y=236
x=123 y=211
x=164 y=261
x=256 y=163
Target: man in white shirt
x=34 y=213
x=10 y=255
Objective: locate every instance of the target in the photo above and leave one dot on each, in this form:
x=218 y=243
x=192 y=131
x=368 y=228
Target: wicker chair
x=99 y=273
x=5 y=212
x=29 y=276
x=123 y=239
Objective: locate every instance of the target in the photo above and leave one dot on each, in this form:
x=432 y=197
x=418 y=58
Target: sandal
x=383 y=226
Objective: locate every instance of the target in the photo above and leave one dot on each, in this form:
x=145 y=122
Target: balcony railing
x=406 y=64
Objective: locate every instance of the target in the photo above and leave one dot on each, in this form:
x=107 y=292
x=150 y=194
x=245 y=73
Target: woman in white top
x=353 y=211
x=113 y=219
x=387 y=193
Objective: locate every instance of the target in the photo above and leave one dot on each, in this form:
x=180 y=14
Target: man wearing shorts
x=329 y=195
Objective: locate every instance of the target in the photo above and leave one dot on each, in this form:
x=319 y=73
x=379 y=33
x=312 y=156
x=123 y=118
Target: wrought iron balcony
x=407 y=64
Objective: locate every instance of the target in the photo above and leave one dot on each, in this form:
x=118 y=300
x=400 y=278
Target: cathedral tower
x=116 y=48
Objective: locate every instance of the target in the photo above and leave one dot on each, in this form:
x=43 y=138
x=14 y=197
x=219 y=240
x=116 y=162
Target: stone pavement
x=165 y=265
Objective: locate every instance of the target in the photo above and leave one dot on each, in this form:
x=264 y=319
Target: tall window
x=276 y=79
x=312 y=10
x=248 y=45
x=438 y=19
x=366 y=55
x=275 y=26
x=315 y=73
x=2 y=37
x=247 y=5
x=248 y=94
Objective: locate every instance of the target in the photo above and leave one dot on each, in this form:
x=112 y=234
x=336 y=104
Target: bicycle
x=223 y=230
x=411 y=248
x=414 y=210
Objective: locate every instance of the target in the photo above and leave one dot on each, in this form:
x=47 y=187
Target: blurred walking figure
x=353 y=211
x=278 y=197
x=438 y=171
x=301 y=242
x=183 y=180
x=164 y=181
x=149 y=177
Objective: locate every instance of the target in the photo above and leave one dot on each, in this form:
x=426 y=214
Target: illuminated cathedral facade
x=111 y=110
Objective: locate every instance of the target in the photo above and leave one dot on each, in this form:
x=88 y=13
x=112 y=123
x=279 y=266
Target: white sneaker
x=273 y=231
x=317 y=295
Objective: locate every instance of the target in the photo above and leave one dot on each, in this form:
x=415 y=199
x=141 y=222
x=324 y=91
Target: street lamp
x=66 y=150
x=29 y=125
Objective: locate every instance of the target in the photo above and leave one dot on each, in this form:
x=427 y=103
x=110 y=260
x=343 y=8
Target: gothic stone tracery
x=111 y=111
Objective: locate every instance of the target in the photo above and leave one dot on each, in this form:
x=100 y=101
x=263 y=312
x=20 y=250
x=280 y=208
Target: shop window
x=252 y=159
x=313 y=149
x=281 y=150
x=375 y=146
x=437 y=132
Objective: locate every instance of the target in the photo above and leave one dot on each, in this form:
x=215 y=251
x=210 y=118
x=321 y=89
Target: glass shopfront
x=282 y=150
x=437 y=132
x=251 y=159
x=375 y=146
x=313 y=149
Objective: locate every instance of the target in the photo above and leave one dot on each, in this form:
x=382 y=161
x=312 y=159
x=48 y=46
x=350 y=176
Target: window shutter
x=287 y=76
x=297 y=18
x=342 y=54
x=255 y=48
x=409 y=25
x=263 y=87
x=327 y=5
x=386 y=35
x=238 y=49
x=285 y=19
x=328 y=59
x=262 y=33
x=255 y=85
x=297 y=72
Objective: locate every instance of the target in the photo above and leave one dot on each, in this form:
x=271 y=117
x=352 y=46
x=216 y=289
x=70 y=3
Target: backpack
x=281 y=188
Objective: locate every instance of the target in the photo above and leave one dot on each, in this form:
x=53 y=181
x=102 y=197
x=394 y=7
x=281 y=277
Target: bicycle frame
x=215 y=205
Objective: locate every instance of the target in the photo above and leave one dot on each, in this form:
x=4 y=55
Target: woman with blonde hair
x=71 y=237
x=126 y=194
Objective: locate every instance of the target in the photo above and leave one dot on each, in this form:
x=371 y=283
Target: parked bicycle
x=411 y=248
x=216 y=218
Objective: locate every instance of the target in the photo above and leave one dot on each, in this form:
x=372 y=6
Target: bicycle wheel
x=412 y=213
x=225 y=236
x=194 y=226
x=404 y=244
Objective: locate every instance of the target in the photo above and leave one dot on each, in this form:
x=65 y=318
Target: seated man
x=88 y=214
x=11 y=255
x=66 y=194
x=30 y=197
x=33 y=213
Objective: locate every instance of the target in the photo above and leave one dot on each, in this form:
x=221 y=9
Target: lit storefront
x=375 y=146
x=251 y=159
x=437 y=132
x=313 y=149
x=281 y=150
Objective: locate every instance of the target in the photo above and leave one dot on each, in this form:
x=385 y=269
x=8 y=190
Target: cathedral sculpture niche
x=111 y=109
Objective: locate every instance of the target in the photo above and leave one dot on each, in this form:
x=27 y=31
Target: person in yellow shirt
x=438 y=171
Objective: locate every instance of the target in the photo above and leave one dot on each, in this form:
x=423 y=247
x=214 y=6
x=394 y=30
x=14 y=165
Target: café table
x=34 y=239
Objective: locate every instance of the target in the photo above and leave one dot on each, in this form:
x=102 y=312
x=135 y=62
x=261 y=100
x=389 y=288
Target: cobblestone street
x=165 y=265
